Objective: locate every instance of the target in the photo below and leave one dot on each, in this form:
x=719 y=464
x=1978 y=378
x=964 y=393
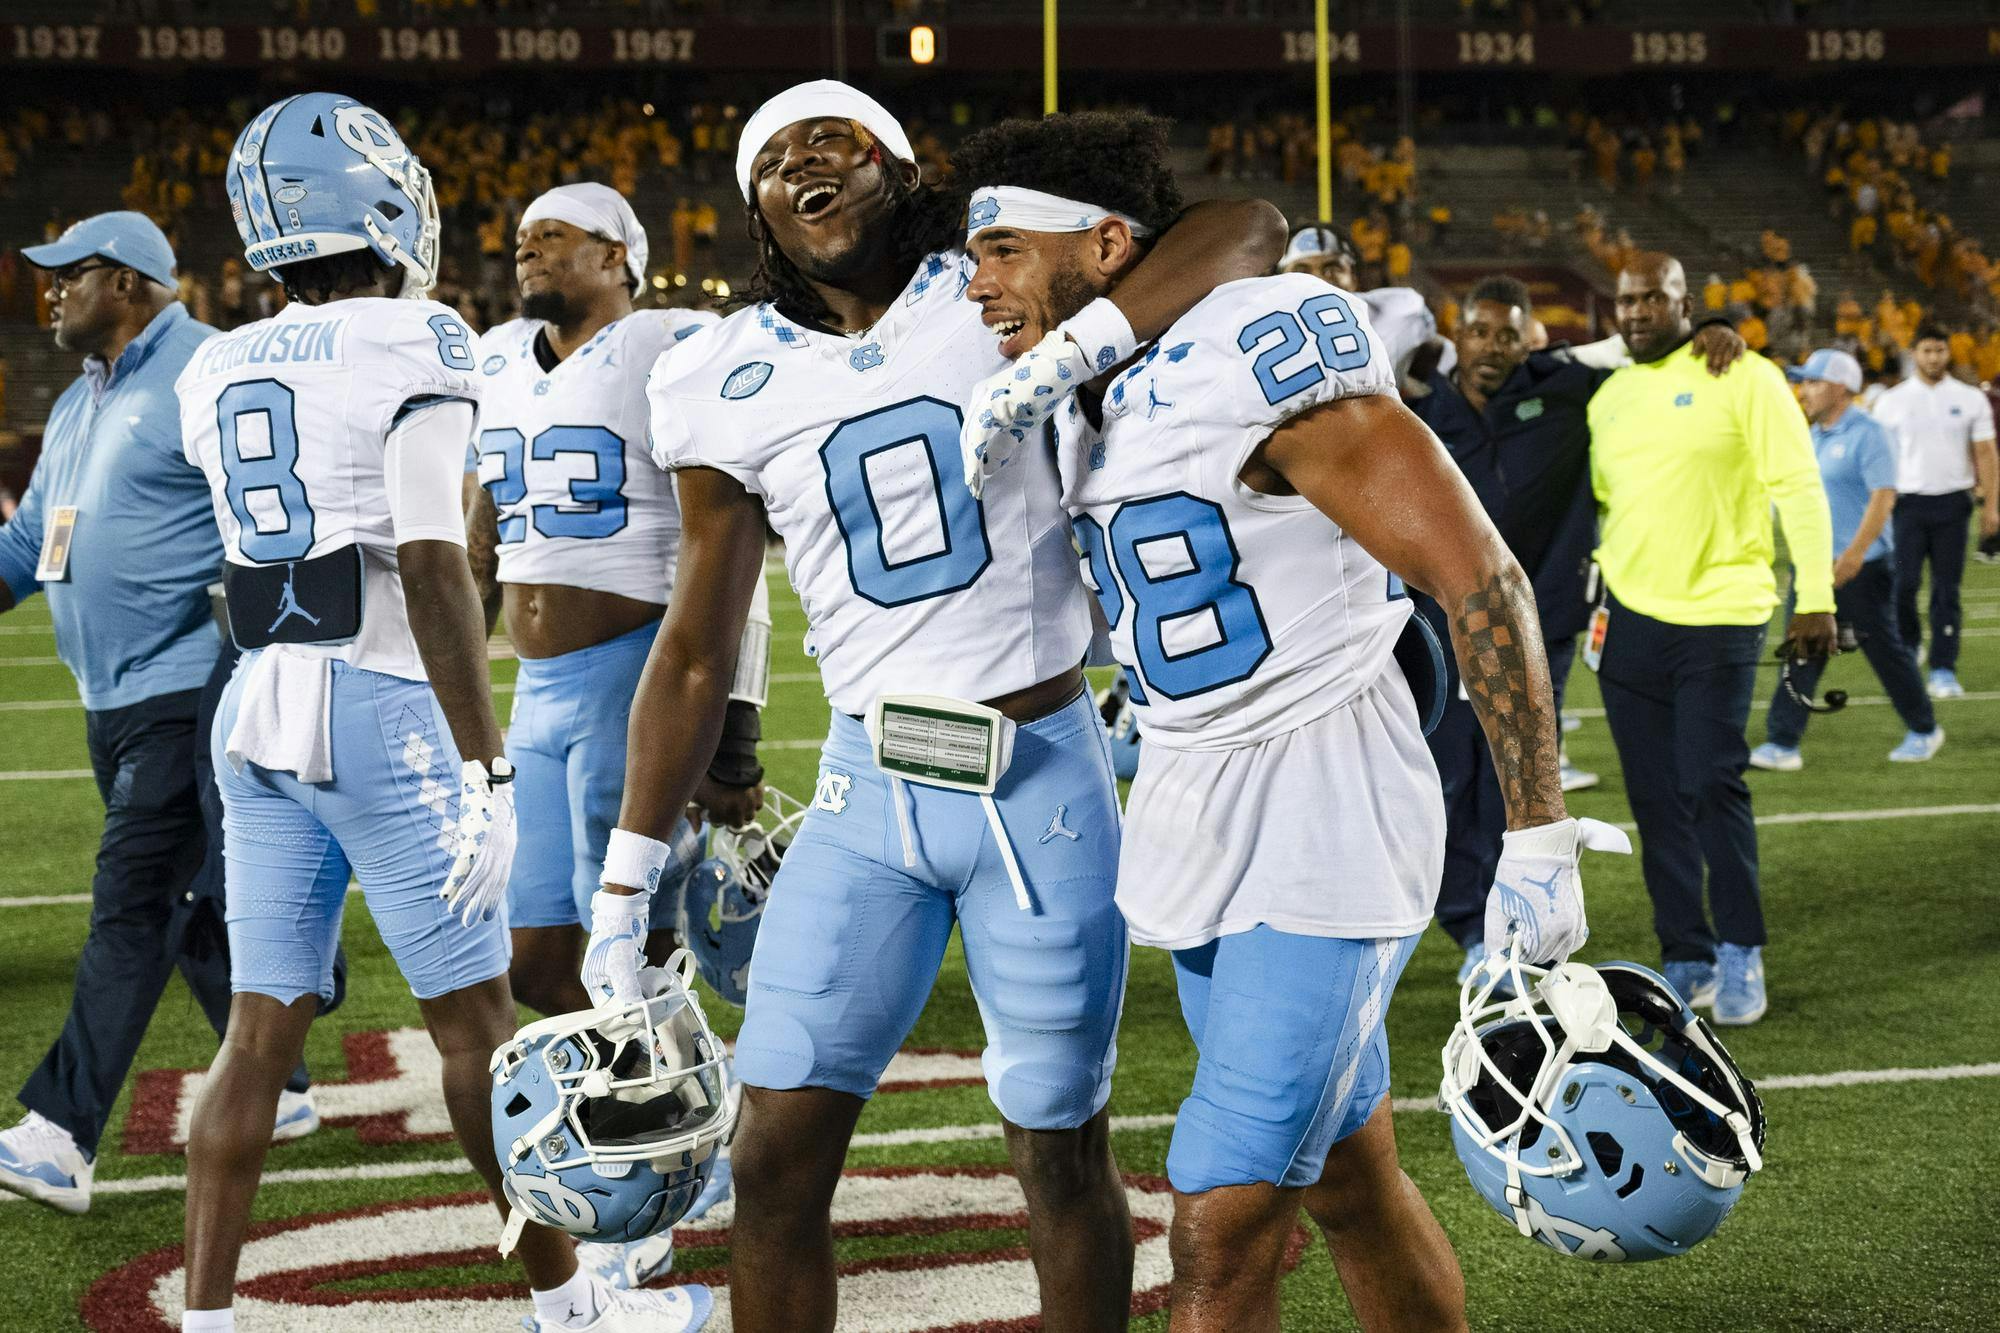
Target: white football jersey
x=908 y=582
x=1403 y=322
x=1240 y=616
x=289 y=418
x=563 y=454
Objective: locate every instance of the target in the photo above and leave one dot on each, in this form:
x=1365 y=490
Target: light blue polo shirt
x=1856 y=459
x=131 y=619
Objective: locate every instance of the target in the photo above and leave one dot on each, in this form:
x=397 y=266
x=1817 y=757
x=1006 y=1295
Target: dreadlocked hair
x=926 y=219
x=1112 y=159
x=317 y=281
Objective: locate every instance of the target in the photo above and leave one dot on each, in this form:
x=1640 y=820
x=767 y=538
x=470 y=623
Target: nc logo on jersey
x=541 y=388
x=866 y=357
x=746 y=379
x=494 y=364
x=1528 y=410
x=831 y=794
x=1683 y=400
x=1097 y=457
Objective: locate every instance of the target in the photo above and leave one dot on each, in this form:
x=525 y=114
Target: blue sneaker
x=1918 y=746
x=1944 y=685
x=1739 y=999
x=40 y=1161
x=1775 y=758
x=297 y=1116
x=1694 y=980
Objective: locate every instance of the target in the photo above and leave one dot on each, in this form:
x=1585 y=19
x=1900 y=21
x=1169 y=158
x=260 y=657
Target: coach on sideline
x=1685 y=469
x=118 y=530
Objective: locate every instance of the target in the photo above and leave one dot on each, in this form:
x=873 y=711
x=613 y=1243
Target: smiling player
x=1242 y=494
x=956 y=628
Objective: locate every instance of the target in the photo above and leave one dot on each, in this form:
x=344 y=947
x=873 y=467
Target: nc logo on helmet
x=553 y=1202
x=364 y=130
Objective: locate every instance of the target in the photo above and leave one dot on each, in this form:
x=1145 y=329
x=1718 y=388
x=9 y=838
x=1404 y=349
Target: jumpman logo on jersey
x=1057 y=829
x=1154 y=403
x=288 y=602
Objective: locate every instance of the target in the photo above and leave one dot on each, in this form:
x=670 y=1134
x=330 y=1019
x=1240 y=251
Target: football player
x=1246 y=496
x=358 y=736
x=949 y=632
x=585 y=529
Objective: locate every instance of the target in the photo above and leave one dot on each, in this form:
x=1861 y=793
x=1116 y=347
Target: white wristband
x=1103 y=333
x=634 y=860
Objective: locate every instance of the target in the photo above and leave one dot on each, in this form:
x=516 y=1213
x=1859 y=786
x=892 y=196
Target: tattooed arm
x=1376 y=470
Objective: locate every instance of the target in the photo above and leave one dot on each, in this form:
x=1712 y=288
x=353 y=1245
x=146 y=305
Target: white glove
x=1005 y=409
x=1537 y=899
x=483 y=857
x=618 y=925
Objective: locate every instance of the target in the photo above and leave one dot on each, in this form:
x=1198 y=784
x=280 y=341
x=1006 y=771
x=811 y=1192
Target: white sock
x=573 y=1303
x=208 y=1321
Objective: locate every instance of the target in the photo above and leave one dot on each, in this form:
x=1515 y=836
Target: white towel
x=283 y=716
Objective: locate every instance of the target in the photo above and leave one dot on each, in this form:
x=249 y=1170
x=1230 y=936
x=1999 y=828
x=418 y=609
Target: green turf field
x=1873 y=1211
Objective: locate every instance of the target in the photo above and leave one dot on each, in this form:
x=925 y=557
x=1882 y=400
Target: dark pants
x=1474 y=814
x=150 y=866
x=1677 y=698
x=1867 y=605
x=1931 y=528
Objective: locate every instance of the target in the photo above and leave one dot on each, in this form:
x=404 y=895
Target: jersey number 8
x=260 y=458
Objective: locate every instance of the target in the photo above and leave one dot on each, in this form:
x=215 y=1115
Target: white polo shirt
x=1935 y=426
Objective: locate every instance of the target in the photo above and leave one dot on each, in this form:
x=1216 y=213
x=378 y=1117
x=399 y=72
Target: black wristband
x=735 y=763
x=1714 y=317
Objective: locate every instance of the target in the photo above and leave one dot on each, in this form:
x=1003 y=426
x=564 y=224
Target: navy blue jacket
x=1527 y=457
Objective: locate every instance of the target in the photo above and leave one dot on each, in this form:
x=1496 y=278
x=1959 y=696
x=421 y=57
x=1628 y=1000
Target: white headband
x=601 y=211
x=1031 y=210
x=821 y=99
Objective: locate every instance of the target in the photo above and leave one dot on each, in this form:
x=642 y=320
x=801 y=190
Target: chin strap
x=510 y=1234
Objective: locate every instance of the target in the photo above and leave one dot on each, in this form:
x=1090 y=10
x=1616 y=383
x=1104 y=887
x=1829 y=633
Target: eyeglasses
x=60 y=282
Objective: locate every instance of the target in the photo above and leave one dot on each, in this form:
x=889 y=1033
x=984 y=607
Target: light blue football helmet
x=317 y=174
x=608 y=1122
x=722 y=901
x=1115 y=707
x=1595 y=1111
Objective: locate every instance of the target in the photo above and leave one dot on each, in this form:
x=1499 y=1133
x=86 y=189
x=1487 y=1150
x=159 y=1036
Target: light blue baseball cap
x=124 y=238
x=1831 y=365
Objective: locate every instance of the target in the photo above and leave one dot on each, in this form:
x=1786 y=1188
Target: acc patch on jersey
x=494 y=364
x=746 y=379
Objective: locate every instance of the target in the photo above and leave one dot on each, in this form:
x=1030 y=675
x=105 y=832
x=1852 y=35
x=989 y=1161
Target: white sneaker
x=630 y=1263
x=1775 y=758
x=40 y=1161
x=1944 y=684
x=297 y=1116
x=673 y=1310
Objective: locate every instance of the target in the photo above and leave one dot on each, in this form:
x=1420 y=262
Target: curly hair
x=1504 y=291
x=1113 y=159
x=317 y=281
x=926 y=218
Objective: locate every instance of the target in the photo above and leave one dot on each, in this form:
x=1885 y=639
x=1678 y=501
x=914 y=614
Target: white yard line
x=45 y=774
x=30 y=661
x=900 y=1138
x=1853 y=701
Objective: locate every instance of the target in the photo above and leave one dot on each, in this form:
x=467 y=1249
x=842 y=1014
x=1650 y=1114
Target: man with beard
x=1686 y=469
x=117 y=531
x=1241 y=493
x=956 y=626
x=585 y=530
x=1514 y=420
